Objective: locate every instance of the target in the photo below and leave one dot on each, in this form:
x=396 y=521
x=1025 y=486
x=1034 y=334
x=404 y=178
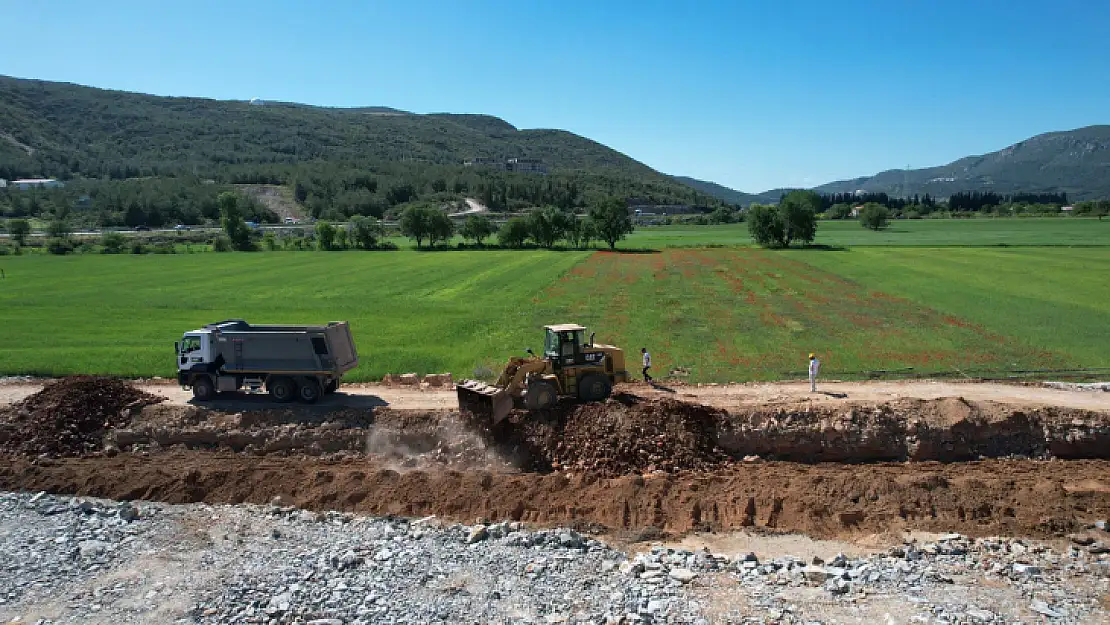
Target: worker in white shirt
x=814 y=365
x=647 y=364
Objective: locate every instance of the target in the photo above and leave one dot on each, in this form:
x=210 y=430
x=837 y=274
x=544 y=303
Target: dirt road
x=722 y=396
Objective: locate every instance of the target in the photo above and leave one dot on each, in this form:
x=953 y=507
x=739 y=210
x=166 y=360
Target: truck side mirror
x=176 y=349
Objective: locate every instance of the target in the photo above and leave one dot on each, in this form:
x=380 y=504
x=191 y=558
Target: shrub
x=874 y=216
x=59 y=246
x=513 y=233
x=112 y=243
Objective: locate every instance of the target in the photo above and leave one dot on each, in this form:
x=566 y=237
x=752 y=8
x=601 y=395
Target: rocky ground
x=77 y=560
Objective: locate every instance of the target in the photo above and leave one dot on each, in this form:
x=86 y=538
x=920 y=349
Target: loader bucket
x=484 y=401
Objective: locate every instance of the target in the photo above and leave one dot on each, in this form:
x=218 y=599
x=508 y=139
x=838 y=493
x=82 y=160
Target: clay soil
x=995 y=497
x=641 y=464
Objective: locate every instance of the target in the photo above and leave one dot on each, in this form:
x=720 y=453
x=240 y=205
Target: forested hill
x=723 y=193
x=62 y=130
x=1076 y=162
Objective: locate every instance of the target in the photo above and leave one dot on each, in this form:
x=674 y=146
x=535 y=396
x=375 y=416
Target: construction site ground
x=862 y=463
x=980 y=458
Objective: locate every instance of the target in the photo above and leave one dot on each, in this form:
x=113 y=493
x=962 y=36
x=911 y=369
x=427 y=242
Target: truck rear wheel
x=309 y=391
x=203 y=390
x=283 y=390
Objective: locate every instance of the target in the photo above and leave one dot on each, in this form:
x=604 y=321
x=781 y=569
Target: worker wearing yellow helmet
x=814 y=365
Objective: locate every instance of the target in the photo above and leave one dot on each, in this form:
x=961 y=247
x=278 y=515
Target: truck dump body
x=277 y=349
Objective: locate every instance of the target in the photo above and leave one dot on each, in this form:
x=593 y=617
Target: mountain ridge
x=1076 y=162
x=77 y=130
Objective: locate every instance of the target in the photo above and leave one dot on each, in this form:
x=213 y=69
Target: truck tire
x=203 y=389
x=283 y=390
x=540 y=396
x=594 y=387
x=308 y=391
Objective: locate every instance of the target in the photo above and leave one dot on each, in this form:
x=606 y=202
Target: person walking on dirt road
x=647 y=364
x=814 y=365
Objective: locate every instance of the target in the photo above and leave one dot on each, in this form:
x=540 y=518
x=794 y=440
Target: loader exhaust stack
x=484 y=401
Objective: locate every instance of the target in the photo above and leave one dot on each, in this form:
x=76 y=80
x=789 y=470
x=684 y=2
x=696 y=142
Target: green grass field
x=1061 y=231
x=722 y=314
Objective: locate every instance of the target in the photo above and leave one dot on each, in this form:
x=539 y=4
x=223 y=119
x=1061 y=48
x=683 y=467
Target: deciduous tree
x=612 y=221
x=874 y=216
x=477 y=228
x=513 y=233
x=365 y=231
x=231 y=218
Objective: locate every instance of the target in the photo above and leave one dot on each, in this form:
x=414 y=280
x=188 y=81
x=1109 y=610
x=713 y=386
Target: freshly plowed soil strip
x=1011 y=497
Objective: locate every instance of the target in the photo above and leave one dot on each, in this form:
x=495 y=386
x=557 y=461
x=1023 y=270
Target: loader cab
x=194 y=349
x=564 y=345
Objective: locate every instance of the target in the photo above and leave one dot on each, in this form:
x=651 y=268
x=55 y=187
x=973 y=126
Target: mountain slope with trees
x=338 y=162
x=1076 y=162
x=721 y=192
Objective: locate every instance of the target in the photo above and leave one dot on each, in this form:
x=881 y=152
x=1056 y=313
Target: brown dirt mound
x=69 y=416
x=624 y=435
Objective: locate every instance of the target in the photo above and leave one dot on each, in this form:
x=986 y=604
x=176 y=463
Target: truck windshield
x=190 y=344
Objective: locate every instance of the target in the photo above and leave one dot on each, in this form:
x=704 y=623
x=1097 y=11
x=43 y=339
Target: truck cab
x=194 y=350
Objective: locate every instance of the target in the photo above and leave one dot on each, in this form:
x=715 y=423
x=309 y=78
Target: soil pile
x=69 y=416
x=628 y=434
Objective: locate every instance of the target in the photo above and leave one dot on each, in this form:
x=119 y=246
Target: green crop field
x=721 y=314
x=449 y=311
x=1054 y=231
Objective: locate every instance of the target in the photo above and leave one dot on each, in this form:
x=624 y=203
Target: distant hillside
x=61 y=129
x=1076 y=162
x=723 y=193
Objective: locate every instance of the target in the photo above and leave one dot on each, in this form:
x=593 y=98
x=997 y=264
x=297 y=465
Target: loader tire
x=594 y=387
x=309 y=391
x=283 y=390
x=203 y=390
x=540 y=396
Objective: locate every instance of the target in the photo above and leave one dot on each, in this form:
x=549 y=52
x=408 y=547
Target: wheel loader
x=570 y=366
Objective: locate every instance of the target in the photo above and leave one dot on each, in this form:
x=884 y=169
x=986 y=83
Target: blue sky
x=753 y=95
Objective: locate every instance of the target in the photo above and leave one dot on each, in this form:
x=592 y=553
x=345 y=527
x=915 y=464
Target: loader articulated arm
x=493 y=402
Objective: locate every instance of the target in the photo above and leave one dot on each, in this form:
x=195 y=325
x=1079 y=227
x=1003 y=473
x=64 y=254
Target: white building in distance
x=32 y=183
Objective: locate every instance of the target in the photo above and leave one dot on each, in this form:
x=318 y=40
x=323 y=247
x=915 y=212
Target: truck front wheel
x=282 y=390
x=203 y=390
x=309 y=391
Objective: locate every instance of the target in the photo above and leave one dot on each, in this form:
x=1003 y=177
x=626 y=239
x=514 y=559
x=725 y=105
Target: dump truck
x=569 y=367
x=290 y=362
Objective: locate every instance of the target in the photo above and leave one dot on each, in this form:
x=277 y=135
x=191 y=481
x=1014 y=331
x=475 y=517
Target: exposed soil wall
x=1006 y=497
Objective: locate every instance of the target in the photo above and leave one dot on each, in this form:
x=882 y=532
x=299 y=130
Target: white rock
x=1043 y=608
x=683 y=575
x=477 y=534
x=815 y=574
x=89 y=548
x=982 y=615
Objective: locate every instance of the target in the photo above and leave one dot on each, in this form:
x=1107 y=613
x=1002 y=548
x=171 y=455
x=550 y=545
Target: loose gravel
x=71 y=560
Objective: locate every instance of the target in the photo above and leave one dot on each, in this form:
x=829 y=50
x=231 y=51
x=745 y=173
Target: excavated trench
x=629 y=463
x=629 y=435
